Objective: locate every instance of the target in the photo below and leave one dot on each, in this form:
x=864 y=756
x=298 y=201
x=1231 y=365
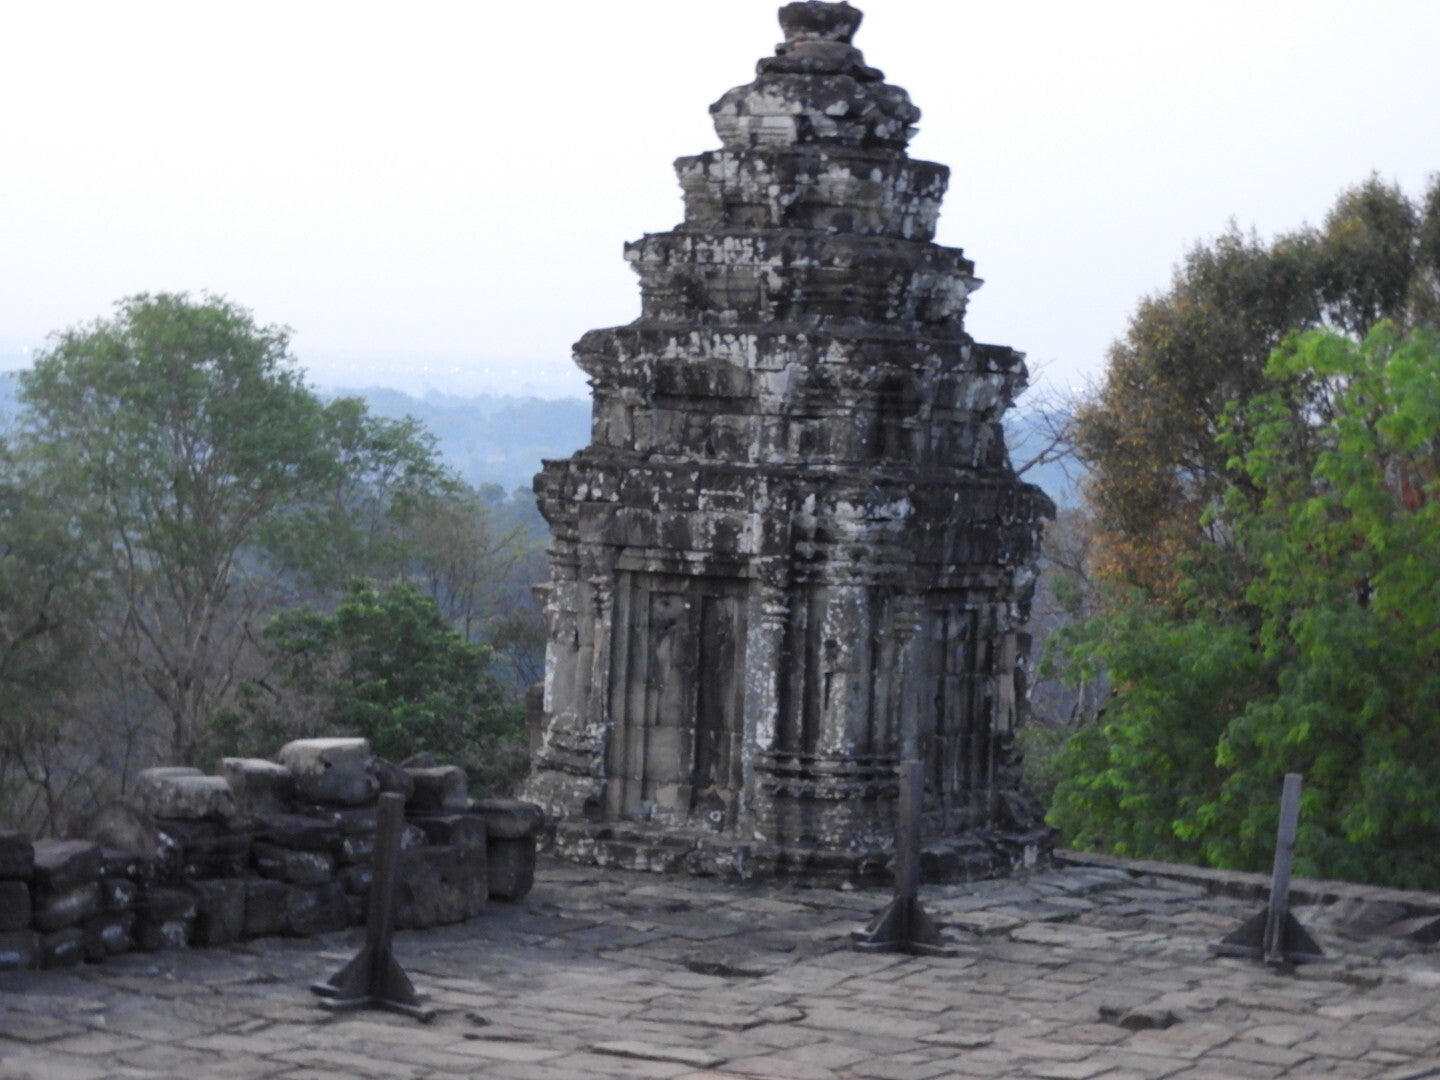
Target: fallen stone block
x=17 y=855
x=510 y=818
x=439 y=789
x=119 y=864
x=355 y=849
x=258 y=786
x=108 y=934
x=70 y=907
x=219 y=911
x=170 y=934
x=332 y=772
x=317 y=909
x=355 y=880
x=117 y=893
x=355 y=820
x=62 y=864
x=14 y=906
x=63 y=948
x=207 y=849
x=19 y=950
x=296 y=867
x=164 y=919
x=186 y=798
x=510 y=868
x=267 y=905
x=164 y=905
x=458 y=830
x=298 y=832
x=440 y=885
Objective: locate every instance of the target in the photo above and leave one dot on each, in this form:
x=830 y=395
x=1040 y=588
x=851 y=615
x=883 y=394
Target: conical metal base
x=376 y=980
x=1290 y=942
x=902 y=927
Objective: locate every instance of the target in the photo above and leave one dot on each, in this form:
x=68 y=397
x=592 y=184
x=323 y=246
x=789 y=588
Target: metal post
x=375 y=977
x=904 y=926
x=1274 y=935
x=1279 y=905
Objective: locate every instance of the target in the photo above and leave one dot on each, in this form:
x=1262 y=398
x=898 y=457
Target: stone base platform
x=972 y=856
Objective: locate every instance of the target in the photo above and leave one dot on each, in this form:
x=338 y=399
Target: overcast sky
x=430 y=190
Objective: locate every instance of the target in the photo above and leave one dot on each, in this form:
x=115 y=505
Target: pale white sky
x=430 y=189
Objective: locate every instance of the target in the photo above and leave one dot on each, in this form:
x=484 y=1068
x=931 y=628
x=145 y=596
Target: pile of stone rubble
x=279 y=847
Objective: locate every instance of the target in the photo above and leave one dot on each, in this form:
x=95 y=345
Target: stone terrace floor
x=1085 y=971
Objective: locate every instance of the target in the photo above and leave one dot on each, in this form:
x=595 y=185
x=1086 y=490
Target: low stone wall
x=264 y=848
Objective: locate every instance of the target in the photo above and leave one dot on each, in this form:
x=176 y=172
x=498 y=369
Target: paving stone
x=683 y=1055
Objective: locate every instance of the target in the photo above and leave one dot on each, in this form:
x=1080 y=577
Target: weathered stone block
x=510 y=818
x=152 y=936
x=108 y=934
x=205 y=849
x=267 y=907
x=121 y=864
x=356 y=880
x=439 y=789
x=440 y=885
x=458 y=830
x=220 y=911
x=185 y=798
x=317 y=909
x=17 y=855
x=258 y=786
x=296 y=867
x=19 y=950
x=332 y=772
x=510 y=867
x=62 y=864
x=14 y=906
x=355 y=849
x=298 y=832
x=63 y=948
x=69 y=907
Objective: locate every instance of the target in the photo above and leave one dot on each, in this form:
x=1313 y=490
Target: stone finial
x=813 y=20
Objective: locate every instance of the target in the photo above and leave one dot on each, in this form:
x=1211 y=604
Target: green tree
x=209 y=468
x=1149 y=437
x=387 y=666
x=49 y=580
x=1327 y=663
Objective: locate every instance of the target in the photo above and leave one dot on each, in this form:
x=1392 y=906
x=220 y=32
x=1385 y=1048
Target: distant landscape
x=501 y=439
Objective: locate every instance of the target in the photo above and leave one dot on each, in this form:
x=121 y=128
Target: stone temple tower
x=795 y=550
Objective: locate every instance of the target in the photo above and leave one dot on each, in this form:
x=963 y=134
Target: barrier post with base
x=904 y=926
x=1274 y=935
x=374 y=977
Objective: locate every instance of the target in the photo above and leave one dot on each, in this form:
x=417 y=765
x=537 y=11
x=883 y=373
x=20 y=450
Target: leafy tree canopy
x=1150 y=434
x=210 y=472
x=385 y=665
x=1322 y=658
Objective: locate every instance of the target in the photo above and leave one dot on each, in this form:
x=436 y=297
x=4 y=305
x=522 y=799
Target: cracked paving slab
x=1072 y=972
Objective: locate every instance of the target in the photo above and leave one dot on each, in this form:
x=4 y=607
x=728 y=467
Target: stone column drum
x=795 y=550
